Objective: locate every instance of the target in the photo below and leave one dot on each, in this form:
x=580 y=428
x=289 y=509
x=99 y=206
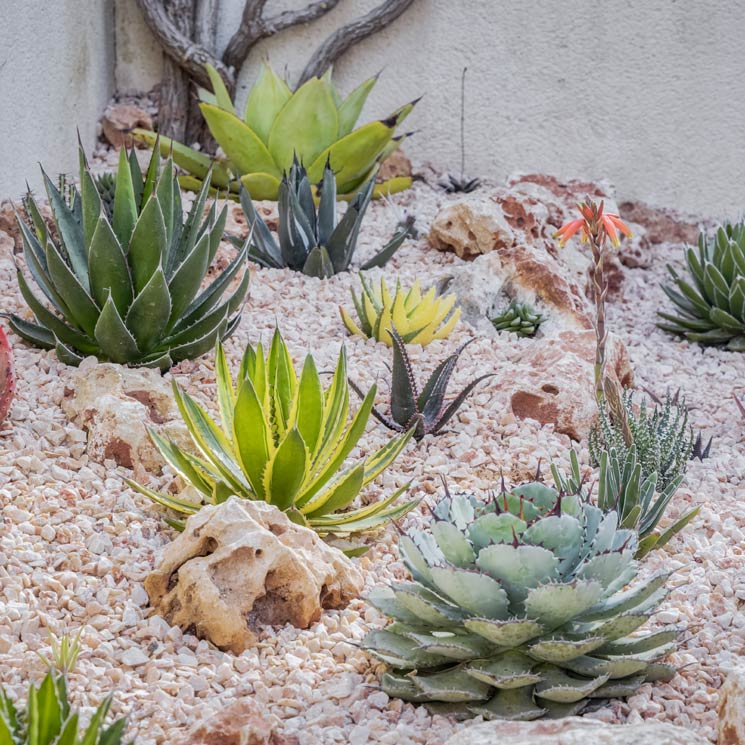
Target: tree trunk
x=205 y=34
x=175 y=87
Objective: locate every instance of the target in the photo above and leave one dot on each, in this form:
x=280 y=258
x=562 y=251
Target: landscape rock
x=116 y=405
x=575 y=731
x=397 y=164
x=243 y=564
x=7 y=376
x=554 y=382
x=661 y=225
x=732 y=709
x=244 y=722
x=120 y=119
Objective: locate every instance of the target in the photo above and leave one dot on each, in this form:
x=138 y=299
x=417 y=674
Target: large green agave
x=312 y=123
x=711 y=306
x=517 y=609
x=124 y=280
x=283 y=440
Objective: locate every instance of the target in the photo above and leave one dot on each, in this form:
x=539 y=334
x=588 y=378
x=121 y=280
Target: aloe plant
x=424 y=412
x=283 y=440
x=518 y=608
x=310 y=240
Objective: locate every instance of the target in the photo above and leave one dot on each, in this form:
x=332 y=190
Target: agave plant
x=49 y=720
x=424 y=413
x=663 y=440
x=711 y=306
x=313 y=124
x=518 y=318
x=283 y=440
x=311 y=241
x=125 y=286
x=517 y=609
x=418 y=319
x=623 y=488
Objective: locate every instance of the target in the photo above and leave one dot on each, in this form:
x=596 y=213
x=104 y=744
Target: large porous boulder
x=116 y=405
x=554 y=382
x=244 y=722
x=575 y=731
x=241 y=565
x=732 y=709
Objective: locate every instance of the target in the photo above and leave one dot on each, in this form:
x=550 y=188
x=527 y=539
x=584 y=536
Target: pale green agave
x=123 y=281
x=283 y=440
x=49 y=720
x=519 y=609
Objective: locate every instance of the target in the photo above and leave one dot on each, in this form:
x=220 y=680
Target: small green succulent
x=311 y=240
x=518 y=318
x=424 y=412
x=519 y=607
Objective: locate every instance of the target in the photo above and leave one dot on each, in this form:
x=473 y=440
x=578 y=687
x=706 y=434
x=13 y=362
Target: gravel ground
x=76 y=543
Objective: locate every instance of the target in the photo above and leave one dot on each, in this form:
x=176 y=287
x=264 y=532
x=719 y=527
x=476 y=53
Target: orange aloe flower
x=594 y=222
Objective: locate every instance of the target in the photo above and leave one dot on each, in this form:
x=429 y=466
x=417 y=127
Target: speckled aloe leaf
x=401 y=686
x=619 y=688
x=511 y=633
x=400 y=652
x=560 y=650
x=452 y=686
x=509 y=670
x=384 y=599
x=638 y=645
x=476 y=593
x=454 y=545
x=492 y=528
x=556 y=685
x=614 y=668
x=639 y=598
x=519 y=568
x=555 y=604
x=426 y=605
x=516 y=704
x=451 y=645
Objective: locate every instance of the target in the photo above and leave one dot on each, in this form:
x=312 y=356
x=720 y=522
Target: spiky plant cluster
x=518 y=318
x=520 y=607
x=710 y=303
x=311 y=240
x=663 y=439
x=426 y=412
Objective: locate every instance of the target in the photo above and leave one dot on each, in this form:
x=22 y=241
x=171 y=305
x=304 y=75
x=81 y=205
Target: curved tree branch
x=255 y=27
x=190 y=56
x=347 y=36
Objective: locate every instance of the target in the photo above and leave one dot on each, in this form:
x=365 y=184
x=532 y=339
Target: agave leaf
x=457 y=402
x=125 y=205
x=504 y=633
x=338 y=495
x=386 y=253
x=556 y=685
x=286 y=470
x=554 y=605
x=319 y=264
x=47 y=715
x=454 y=686
x=404 y=393
x=252 y=436
x=261 y=185
x=149 y=313
x=350 y=109
x=345 y=525
x=508 y=670
x=187 y=279
x=400 y=652
x=308 y=404
x=221 y=92
x=476 y=593
x=454 y=545
x=305 y=126
x=513 y=704
x=109 y=272
x=113 y=336
x=243 y=147
x=31 y=332
x=327 y=207
x=267 y=97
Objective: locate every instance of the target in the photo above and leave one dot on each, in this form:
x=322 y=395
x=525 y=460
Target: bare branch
x=190 y=56
x=347 y=36
x=255 y=27
x=205 y=24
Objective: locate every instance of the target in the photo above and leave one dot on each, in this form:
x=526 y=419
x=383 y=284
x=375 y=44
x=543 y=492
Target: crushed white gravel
x=76 y=542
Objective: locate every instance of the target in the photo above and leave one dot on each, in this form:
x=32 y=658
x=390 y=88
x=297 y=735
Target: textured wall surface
x=56 y=74
x=645 y=93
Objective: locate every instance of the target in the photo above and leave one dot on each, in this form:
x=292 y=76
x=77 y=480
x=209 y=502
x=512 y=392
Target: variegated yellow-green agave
x=313 y=123
x=283 y=440
x=123 y=277
x=519 y=608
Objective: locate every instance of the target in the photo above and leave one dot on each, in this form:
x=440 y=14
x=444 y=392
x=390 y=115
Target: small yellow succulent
x=418 y=319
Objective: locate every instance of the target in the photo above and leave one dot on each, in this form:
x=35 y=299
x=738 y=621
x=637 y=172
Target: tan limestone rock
x=243 y=564
x=732 y=709
x=120 y=119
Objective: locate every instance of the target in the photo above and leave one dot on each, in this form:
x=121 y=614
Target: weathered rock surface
x=244 y=722
x=243 y=564
x=732 y=709
x=575 y=731
x=120 y=119
x=7 y=376
x=116 y=405
x=554 y=382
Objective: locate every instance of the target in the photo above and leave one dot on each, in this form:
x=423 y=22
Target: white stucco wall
x=647 y=93
x=56 y=74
